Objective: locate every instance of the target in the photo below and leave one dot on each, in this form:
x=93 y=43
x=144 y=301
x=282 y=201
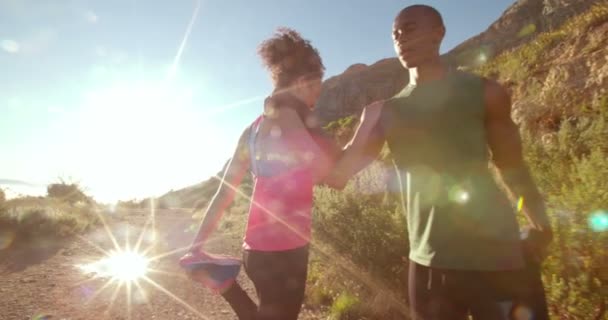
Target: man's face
x=417 y=37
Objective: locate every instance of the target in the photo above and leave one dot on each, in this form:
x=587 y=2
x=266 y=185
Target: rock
x=360 y=85
x=27 y=280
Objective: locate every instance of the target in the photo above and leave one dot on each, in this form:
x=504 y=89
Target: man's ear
x=440 y=33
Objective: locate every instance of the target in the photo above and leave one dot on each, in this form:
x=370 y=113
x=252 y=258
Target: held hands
x=357 y=153
x=535 y=243
x=196 y=274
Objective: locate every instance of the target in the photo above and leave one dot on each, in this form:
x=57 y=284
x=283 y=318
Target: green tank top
x=458 y=217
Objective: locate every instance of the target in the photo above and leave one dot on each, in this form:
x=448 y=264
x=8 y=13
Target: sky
x=132 y=98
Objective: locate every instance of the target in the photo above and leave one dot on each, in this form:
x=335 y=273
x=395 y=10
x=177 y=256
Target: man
x=465 y=250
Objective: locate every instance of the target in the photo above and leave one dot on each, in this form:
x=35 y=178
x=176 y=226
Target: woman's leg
x=240 y=302
x=280 y=281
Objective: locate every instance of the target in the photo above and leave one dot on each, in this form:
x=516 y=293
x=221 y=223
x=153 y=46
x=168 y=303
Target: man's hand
x=535 y=244
x=194 y=273
x=505 y=143
x=364 y=147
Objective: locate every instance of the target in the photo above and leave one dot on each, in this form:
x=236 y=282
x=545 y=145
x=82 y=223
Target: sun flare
x=123 y=266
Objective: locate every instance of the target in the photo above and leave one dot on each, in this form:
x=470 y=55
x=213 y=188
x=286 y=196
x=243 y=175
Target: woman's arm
x=233 y=175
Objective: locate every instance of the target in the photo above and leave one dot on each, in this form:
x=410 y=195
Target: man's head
x=417 y=34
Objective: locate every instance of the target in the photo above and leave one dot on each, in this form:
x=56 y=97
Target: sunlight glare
x=459 y=195
x=10 y=46
x=124 y=266
x=137 y=128
x=598 y=221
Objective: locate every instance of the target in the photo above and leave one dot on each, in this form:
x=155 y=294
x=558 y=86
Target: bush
x=517 y=64
x=32 y=217
x=70 y=193
x=345 y=307
x=363 y=236
x=361 y=220
x=342 y=129
x=572 y=172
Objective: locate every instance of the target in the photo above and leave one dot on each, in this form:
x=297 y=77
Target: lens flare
x=459 y=195
x=463 y=197
x=522 y=313
x=520 y=204
x=125 y=266
x=10 y=46
x=598 y=221
x=6 y=238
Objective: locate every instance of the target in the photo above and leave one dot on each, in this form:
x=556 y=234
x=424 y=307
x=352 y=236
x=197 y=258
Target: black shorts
x=440 y=294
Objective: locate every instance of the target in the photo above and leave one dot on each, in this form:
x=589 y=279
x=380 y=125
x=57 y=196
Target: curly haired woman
x=287 y=158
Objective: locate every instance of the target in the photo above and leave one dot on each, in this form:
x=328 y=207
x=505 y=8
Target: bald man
x=443 y=129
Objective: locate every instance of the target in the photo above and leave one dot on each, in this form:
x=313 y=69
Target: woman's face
x=311 y=90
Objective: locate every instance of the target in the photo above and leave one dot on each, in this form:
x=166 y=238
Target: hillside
x=346 y=94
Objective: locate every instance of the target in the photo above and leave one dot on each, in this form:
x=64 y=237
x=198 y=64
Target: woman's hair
x=288 y=57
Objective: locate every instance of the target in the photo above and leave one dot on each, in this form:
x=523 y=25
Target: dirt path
x=44 y=279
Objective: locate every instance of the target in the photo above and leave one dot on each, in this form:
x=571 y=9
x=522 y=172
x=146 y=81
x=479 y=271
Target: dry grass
x=31 y=216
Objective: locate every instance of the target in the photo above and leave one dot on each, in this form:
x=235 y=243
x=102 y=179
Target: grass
x=517 y=64
x=29 y=217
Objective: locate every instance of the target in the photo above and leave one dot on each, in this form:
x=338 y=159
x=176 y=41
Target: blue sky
x=99 y=91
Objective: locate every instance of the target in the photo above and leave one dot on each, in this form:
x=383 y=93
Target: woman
x=286 y=158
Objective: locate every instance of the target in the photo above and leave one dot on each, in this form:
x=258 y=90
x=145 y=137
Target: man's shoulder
x=466 y=77
x=486 y=83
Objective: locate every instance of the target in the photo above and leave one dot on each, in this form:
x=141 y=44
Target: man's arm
x=233 y=175
x=363 y=148
x=308 y=151
x=505 y=143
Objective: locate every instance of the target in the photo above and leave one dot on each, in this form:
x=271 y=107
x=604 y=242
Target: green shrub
x=573 y=174
x=342 y=129
x=364 y=224
x=346 y=307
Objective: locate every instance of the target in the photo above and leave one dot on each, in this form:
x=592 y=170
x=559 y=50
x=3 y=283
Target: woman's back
x=283 y=160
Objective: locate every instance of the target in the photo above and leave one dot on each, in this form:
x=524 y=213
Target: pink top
x=280 y=212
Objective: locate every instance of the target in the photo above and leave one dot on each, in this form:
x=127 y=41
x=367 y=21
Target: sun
x=127 y=267
x=120 y=265
x=135 y=129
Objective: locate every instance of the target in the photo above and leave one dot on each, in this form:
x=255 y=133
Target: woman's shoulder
x=285 y=103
